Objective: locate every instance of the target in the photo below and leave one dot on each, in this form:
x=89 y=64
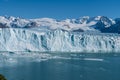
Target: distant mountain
x=83 y=24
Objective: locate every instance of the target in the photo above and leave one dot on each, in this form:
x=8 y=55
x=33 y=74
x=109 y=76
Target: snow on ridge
x=85 y=23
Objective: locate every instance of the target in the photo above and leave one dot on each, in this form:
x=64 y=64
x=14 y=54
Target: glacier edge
x=18 y=39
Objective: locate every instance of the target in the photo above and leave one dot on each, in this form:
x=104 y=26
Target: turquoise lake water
x=59 y=66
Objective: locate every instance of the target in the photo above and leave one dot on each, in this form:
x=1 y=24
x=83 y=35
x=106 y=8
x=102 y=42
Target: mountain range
x=83 y=24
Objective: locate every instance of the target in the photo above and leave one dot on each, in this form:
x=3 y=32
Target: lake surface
x=59 y=66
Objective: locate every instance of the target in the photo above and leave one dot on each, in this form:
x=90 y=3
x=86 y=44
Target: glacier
x=18 y=39
x=85 y=34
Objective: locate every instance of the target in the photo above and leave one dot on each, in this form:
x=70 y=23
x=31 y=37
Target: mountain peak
x=84 y=23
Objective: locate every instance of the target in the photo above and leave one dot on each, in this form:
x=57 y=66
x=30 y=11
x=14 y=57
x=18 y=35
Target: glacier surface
x=18 y=39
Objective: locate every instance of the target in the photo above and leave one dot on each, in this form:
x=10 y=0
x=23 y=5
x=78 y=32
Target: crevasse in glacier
x=19 y=39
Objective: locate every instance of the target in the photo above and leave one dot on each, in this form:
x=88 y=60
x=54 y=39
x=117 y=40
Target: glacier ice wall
x=16 y=39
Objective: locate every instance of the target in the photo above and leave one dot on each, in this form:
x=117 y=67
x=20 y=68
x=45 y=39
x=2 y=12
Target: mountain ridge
x=93 y=24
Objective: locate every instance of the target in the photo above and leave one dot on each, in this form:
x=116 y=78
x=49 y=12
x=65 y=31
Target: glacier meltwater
x=23 y=39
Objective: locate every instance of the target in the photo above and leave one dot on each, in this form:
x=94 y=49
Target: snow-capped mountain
x=82 y=24
x=85 y=34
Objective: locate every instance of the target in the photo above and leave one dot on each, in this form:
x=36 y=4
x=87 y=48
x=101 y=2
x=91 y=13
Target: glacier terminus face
x=17 y=39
